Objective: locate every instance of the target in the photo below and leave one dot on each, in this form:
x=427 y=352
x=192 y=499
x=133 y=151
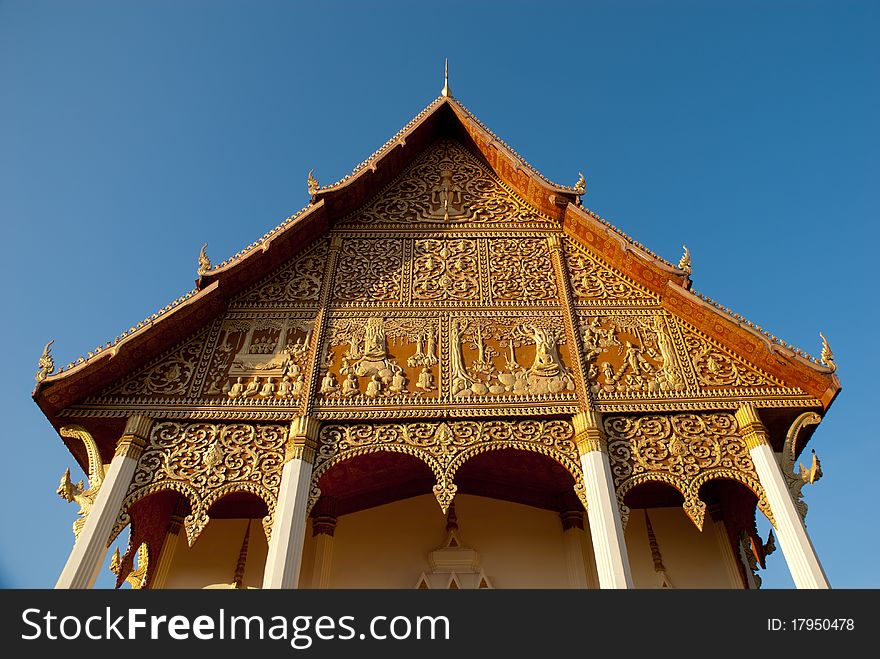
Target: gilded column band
x=302 y=439
x=319 y=331
x=135 y=437
x=751 y=428
x=588 y=432
x=572 y=335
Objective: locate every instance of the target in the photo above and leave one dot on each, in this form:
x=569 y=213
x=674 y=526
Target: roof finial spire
x=827 y=357
x=445 y=91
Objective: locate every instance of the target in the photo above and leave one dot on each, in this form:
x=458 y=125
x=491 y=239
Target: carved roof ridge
x=522 y=161
x=773 y=341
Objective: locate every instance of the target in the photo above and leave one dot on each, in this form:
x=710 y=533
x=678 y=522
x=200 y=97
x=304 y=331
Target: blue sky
x=131 y=133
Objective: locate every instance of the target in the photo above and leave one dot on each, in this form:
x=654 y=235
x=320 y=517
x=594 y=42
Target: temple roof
x=329 y=204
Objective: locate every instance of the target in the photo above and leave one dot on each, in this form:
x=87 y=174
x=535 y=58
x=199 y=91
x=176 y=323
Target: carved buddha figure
x=446 y=197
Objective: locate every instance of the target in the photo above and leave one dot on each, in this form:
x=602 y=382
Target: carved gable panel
x=246 y=359
x=718 y=368
x=446 y=185
x=369 y=270
x=298 y=283
x=594 y=283
x=644 y=354
x=521 y=271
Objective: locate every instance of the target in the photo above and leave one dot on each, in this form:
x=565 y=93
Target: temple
x=443 y=372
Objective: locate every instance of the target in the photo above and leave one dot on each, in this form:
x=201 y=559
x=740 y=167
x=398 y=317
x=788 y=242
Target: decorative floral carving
x=683 y=450
x=521 y=270
x=444 y=447
x=297 y=282
x=369 y=270
x=445 y=270
x=170 y=375
x=205 y=462
x=717 y=367
x=446 y=185
x=593 y=282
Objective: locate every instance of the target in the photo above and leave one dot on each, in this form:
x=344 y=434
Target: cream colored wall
x=213 y=558
x=692 y=559
x=388 y=546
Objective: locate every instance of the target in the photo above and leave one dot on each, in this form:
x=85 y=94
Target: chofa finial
x=204 y=261
x=312 y=183
x=46 y=363
x=685 y=262
x=827 y=356
x=581 y=186
x=445 y=90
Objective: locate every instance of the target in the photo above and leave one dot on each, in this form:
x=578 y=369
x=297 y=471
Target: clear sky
x=131 y=133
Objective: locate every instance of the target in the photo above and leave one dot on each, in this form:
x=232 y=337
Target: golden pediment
x=446 y=185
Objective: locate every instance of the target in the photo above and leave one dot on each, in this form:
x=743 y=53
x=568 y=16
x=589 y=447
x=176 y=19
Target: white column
x=603 y=512
x=731 y=563
x=284 y=559
x=90 y=549
x=166 y=554
x=574 y=541
x=806 y=571
x=323 y=528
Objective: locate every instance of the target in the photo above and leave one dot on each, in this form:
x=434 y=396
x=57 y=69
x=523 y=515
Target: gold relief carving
x=445 y=270
x=446 y=185
x=298 y=282
x=593 y=282
x=632 y=354
x=683 y=450
x=589 y=434
x=521 y=270
x=803 y=476
x=716 y=367
x=205 y=462
x=532 y=349
x=444 y=447
x=751 y=428
x=170 y=375
x=76 y=492
x=137 y=576
x=369 y=270
x=376 y=358
x=261 y=359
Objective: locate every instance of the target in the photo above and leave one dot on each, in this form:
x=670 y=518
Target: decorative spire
x=312 y=183
x=445 y=91
x=238 y=579
x=827 y=356
x=46 y=363
x=451 y=519
x=659 y=568
x=581 y=186
x=685 y=262
x=204 y=261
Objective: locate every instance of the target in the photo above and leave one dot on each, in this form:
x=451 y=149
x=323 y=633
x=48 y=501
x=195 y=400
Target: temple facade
x=444 y=372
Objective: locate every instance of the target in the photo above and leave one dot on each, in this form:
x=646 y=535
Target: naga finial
x=204 y=261
x=581 y=186
x=445 y=91
x=312 y=183
x=685 y=262
x=827 y=356
x=46 y=364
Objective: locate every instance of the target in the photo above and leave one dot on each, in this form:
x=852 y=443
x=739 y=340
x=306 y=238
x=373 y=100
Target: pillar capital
x=572 y=519
x=135 y=436
x=302 y=439
x=589 y=435
x=751 y=428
